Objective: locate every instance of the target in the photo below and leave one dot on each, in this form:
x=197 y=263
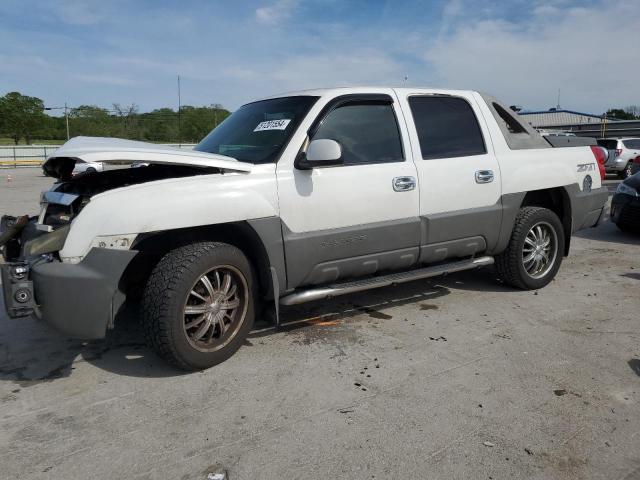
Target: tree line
x=25 y=118
x=632 y=112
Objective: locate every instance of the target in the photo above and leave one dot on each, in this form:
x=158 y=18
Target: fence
x=35 y=155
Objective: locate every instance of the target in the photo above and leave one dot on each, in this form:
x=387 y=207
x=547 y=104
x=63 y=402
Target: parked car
x=87 y=167
x=295 y=198
x=623 y=152
x=625 y=204
x=635 y=166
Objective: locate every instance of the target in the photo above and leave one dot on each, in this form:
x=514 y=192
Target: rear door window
x=633 y=143
x=447 y=127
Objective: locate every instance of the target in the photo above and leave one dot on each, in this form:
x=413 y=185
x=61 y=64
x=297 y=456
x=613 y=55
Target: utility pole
x=179 y=106
x=66 y=115
x=558 y=105
x=66 y=118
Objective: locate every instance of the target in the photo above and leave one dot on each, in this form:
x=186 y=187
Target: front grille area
x=630 y=213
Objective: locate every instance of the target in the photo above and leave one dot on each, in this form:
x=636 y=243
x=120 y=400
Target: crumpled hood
x=113 y=150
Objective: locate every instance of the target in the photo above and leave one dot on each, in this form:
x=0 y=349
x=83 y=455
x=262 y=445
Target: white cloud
x=277 y=12
x=452 y=10
x=360 y=67
x=590 y=54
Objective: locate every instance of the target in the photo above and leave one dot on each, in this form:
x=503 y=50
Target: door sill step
x=344 y=288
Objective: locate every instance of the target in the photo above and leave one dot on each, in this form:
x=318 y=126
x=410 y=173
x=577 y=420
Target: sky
x=100 y=52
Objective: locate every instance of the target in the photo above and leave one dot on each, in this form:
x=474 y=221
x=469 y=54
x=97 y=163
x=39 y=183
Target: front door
x=358 y=218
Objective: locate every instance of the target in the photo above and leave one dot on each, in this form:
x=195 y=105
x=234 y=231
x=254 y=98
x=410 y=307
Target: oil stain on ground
x=373 y=313
x=428 y=306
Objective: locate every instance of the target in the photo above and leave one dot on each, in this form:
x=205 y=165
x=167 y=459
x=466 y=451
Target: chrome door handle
x=404 y=184
x=484 y=176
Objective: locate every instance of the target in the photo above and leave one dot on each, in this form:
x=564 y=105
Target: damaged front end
x=16 y=284
x=36 y=280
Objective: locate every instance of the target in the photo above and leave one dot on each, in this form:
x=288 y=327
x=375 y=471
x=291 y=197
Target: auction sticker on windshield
x=272 y=125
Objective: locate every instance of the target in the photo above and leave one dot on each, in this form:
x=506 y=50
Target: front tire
x=535 y=250
x=198 y=305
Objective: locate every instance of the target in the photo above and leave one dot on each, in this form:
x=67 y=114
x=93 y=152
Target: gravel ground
x=459 y=377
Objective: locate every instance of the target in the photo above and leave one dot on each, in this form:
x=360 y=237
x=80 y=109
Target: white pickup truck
x=294 y=198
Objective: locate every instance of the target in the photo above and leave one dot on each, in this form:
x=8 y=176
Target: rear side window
x=608 y=144
x=509 y=121
x=633 y=143
x=447 y=127
x=366 y=131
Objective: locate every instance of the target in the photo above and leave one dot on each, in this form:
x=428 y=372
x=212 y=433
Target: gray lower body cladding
x=586 y=207
x=81 y=300
x=324 y=256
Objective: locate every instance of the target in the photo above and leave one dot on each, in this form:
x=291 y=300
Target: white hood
x=113 y=150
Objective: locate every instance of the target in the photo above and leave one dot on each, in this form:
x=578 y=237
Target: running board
x=336 y=289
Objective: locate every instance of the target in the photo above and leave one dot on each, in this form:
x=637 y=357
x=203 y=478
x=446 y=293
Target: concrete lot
x=459 y=377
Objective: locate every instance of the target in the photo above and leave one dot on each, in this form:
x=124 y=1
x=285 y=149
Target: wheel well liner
x=558 y=201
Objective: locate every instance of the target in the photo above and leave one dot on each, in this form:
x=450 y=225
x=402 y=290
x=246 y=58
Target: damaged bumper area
x=79 y=300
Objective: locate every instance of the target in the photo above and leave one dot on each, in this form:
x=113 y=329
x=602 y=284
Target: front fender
x=172 y=204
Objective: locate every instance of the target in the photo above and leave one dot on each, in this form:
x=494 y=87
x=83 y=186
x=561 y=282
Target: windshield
x=257 y=132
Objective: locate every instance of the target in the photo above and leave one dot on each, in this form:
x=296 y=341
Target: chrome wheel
x=540 y=250
x=215 y=308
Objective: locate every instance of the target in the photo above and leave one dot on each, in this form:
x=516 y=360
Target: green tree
x=160 y=125
x=128 y=121
x=91 y=121
x=620 y=114
x=21 y=116
x=197 y=122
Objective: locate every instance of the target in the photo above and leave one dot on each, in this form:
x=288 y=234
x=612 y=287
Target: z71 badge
x=586 y=167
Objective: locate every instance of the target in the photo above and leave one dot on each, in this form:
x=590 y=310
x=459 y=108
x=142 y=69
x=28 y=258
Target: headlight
x=117 y=242
x=627 y=190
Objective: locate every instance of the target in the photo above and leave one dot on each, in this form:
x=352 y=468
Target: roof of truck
x=319 y=92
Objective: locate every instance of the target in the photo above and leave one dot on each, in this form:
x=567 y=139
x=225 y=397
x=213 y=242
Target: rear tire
x=90 y=170
x=535 y=250
x=198 y=305
x=627 y=172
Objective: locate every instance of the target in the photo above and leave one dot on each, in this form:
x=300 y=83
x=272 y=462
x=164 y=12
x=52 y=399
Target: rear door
x=359 y=218
x=458 y=173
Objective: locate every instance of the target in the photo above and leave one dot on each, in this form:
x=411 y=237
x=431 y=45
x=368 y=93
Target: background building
x=581 y=124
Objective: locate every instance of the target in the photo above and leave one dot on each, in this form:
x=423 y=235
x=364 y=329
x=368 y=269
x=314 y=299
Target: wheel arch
x=260 y=240
x=556 y=199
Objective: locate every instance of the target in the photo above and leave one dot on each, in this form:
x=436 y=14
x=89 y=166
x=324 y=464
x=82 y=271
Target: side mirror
x=321 y=153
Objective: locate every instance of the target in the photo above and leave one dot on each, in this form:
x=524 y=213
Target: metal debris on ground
x=217 y=476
